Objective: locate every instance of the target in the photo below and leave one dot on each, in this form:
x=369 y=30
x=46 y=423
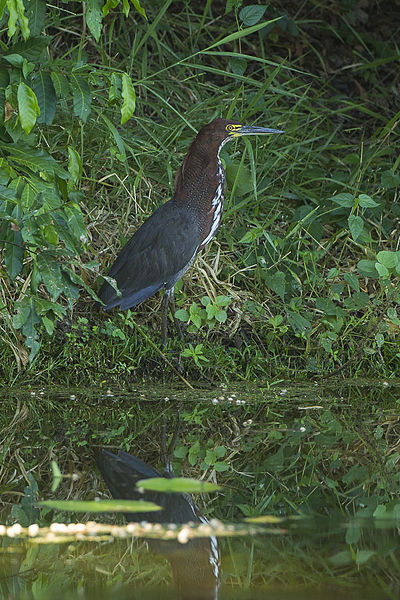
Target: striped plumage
x=167 y=243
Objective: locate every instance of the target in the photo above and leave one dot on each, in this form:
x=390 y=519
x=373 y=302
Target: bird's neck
x=200 y=182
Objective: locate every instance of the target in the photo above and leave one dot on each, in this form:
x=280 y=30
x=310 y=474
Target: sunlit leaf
x=129 y=99
x=74 y=164
x=28 y=107
x=57 y=475
x=388 y=258
x=177 y=484
x=34 y=159
x=101 y=506
x=139 y=8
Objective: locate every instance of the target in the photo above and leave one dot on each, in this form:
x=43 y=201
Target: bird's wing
x=153 y=258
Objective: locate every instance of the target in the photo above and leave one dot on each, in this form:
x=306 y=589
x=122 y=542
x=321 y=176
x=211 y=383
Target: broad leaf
x=74 y=164
x=36 y=10
x=129 y=99
x=252 y=14
x=94 y=16
x=356 y=225
x=28 y=107
x=46 y=97
x=82 y=97
x=36 y=160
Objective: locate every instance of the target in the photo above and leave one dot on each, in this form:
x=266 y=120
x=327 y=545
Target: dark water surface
x=309 y=505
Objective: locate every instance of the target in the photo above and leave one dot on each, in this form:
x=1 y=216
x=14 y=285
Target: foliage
x=42 y=229
x=307 y=253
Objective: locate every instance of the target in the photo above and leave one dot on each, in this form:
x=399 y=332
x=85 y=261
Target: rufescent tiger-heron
x=167 y=243
x=196 y=563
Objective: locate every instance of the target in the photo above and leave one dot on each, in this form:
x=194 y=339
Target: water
x=309 y=503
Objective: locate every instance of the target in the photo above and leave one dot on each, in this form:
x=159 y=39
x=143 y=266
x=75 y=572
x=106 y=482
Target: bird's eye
x=230 y=127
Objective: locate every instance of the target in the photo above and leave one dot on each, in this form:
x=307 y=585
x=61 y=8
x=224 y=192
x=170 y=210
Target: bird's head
x=221 y=131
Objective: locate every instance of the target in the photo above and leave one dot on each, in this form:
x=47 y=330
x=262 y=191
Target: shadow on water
x=308 y=508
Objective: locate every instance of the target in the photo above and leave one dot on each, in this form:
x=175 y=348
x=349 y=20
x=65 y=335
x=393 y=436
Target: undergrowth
x=302 y=278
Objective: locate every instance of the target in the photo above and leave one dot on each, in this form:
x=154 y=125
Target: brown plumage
x=167 y=243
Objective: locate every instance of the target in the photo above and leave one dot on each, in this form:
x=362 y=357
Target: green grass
x=287 y=254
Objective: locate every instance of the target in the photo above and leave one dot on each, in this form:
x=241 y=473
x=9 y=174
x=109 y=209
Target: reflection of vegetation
x=327 y=454
x=95 y=119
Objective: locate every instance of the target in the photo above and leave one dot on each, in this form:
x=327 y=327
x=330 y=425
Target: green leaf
x=16 y=60
x=28 y=107
x=366 y=268
x=16 y=11
x=382 y=270
x=94 y=17
x=341 y=559
x=34 y=159
x=237 y=65
x=252 y=235
x=352 y=280
x=50 y=234
x=299 y=323
x=390 y=180
x=61 y=84
x=74 y=164
x=356 y=225
x=367 y=202
x=129 y=99
x=25 y=318
x=388 y=258
x=109 y=5
x=252 y=14
x=139 y=8
x=101 y=506
x=14 y=252
x=51 y=274
x=33 y=48
x=36 y=12
x=221 y=316
x=75 y=222
x=353 y=534
x=343 y=199
x=177 y=484
x=220 y=466
x=182 y=315
x=362 y=556
x=223 y=300
x=57 y=475
x=240 y=176
x=357 y=301
x=46 y=97
x=197 y=314
x=82 y=97
x=277 y=283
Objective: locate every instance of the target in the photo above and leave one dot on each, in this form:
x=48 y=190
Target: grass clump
x=307 y=259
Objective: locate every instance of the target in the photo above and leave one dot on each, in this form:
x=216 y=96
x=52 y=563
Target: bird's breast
x=213 y=217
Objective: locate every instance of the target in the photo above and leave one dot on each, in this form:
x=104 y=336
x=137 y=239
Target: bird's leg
x=164 y=327
x=176 y=321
